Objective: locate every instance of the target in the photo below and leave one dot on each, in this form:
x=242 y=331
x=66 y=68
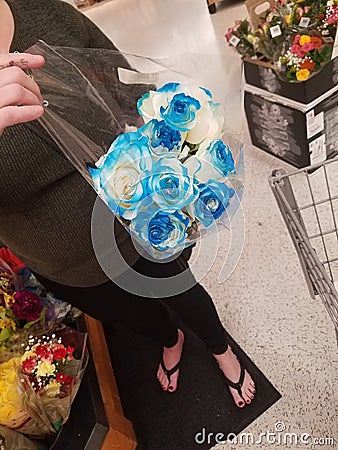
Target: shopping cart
x=308 y=201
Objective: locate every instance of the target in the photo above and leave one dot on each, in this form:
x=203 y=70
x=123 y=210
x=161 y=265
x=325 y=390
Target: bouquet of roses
x=306 y=56
x=151 y=148
x=169 y=178
x=38 y=388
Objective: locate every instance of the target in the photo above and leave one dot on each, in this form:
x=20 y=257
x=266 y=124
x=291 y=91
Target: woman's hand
x=20 y=97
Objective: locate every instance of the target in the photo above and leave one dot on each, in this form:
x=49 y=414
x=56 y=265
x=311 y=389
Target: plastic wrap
x=91 y=98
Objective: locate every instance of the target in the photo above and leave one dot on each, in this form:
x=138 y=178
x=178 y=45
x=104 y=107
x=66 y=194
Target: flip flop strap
x=237 y=386
x=171 y=371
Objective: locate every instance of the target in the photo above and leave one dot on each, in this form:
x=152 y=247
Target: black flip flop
x=239 y=384
x=169 y=372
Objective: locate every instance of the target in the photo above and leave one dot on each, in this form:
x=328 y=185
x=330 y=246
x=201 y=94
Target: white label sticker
x=304 y=22
x=234 y=40
x=314 y=124
x=335 y=48
x=318 y=150
x=275 y=31
x=130 y=77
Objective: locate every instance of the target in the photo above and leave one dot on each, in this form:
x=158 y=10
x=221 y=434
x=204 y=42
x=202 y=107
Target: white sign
x=130 y=77
x=314 y=124
x=304 y=22
x=234 y=40
x=275 y=31
x=318 y=150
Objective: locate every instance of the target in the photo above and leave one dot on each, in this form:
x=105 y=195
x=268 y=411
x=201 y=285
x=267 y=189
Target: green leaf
x=5 y=334
x=57 y=425
x=41 y=317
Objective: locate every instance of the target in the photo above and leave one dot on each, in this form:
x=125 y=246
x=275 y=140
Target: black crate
x=259 y=74
x=291 y=131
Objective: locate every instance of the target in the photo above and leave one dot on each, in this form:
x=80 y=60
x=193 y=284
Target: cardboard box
x=261 y=74
x=300 y=134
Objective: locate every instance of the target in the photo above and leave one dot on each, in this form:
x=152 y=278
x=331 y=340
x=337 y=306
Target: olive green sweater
x=45 y=204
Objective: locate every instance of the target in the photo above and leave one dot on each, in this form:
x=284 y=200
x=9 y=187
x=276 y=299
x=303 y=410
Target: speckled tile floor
x=264 y=304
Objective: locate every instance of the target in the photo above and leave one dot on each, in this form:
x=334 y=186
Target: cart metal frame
x=318 y=272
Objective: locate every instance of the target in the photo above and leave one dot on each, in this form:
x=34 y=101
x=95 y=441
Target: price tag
x=318 y=150
x=130 y=77
x=314 y=124
x=304 y=22
x=234 y=40
x=275 y=31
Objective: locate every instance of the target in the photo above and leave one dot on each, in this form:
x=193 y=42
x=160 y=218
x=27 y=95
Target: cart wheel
x=212 y=8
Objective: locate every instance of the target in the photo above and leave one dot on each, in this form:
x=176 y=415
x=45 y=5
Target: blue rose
x=161 y=230
x=180 y=113
x=171 y=186
x=164 y=140
x=213 y=160
x=213 y=200
x=121 y=176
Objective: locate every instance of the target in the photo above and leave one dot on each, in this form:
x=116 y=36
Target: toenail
x=248 y=401
x=240 y=404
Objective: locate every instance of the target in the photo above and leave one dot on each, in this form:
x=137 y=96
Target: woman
x=46 y=206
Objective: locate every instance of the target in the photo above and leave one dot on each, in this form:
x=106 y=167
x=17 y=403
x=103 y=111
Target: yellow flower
x=45 y=369
x=9 y=299
x=302 y=74
x=2 y=310
x=53 y=388
x=10 y=399
x=288 y=19
x=7 y=323
x=304 y=39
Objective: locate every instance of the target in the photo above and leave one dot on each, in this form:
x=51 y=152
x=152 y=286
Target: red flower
x=28 y=365
x=60 y=353
x=27 y=306
x=307 y=64
x=61 y=377
x=44 y=352
x=69 y=380
x=321 y=16
x=317 y=42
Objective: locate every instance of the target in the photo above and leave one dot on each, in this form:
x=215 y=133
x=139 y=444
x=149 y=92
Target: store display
x=294 y=132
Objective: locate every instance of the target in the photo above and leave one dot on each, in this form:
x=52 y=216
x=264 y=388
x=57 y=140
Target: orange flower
x=317 y=42
x=307 y=64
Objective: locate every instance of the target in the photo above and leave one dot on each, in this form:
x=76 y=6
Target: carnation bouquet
x=152 y=141
x=38 y=387
x=21 y=311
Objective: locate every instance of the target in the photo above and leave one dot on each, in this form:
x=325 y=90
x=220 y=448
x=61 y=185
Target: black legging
x=147 y=316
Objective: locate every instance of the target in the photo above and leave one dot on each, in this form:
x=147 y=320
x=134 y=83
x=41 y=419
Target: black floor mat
x=165 y=421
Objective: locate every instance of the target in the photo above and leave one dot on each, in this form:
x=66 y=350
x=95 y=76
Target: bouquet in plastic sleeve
x=305 y=56
x=150 y=139
x=21 y=312
x=38 y=387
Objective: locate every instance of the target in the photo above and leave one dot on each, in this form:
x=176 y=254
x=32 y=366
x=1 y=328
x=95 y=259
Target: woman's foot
x=230 y=366
x=171 y=357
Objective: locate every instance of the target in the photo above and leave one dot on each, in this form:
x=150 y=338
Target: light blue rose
x=213 y=200
x=213 y=160
x=121 y=176
x=162 y=230
x=164 y=140
x=171 y=186
x=180 y=113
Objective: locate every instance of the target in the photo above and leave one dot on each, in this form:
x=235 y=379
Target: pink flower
x=297 y=39
x=307 y=9
x=300 y=11
x=44 y=353
x=307 y=47
x=27 y=306
x=297 y=50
